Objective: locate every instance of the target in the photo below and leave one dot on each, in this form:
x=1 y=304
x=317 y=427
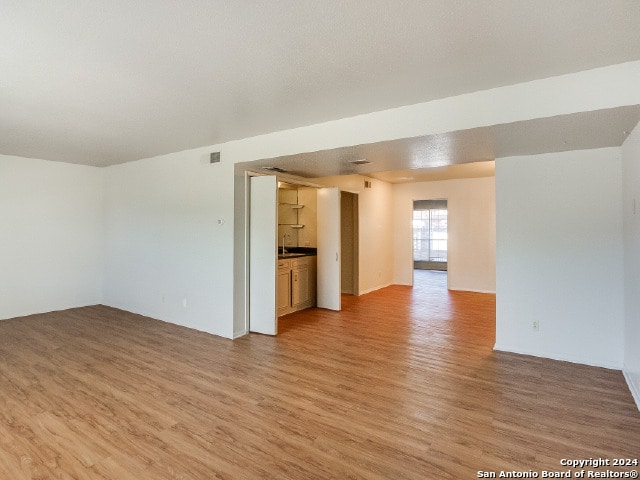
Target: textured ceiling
x=413 y=156
x=108 y=81
x=463 y=170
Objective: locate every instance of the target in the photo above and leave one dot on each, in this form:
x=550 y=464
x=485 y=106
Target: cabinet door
x=300 y=286
x=262 y=258
x=284 y=289
x=329 y=289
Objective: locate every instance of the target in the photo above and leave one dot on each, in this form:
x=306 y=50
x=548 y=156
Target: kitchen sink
x=290 y=255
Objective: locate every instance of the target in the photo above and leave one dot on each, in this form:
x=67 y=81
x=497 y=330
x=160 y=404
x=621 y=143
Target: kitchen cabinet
x=296 y=284
x=284 y=289
x=300 y=286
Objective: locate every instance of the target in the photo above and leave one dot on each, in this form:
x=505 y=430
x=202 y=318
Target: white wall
x=163 y=241
x=159 y=238
x=607 y=87
x=308 y=216
x=375 y=249
x=471 y=225
x=560 y=256
x=51 y=217
x=595 y=89
x=631 y=220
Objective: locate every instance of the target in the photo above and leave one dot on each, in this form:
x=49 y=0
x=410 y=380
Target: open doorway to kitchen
x=430 y=234
x=349 y=242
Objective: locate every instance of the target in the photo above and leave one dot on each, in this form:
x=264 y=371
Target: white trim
x=239 y=333
x=472 y=290
x=634 y=386
x=245 y=246
x=373 y=289
x=555 y=356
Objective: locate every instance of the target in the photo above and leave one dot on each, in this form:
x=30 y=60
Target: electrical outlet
x=164 y=299
x=536 y=325
x=184 y=302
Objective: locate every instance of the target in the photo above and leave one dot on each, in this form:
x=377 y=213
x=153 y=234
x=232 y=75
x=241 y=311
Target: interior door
x=329 y=248
x=263 y=225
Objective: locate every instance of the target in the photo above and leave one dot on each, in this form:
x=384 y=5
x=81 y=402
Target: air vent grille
x=274 y=169
x=359 y=162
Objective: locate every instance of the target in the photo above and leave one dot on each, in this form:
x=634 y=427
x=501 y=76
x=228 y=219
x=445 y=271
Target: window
x=430 y=234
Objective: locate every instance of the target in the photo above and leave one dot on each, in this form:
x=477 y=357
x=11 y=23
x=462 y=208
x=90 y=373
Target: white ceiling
x=411 y=159
x=109 y=81
x=464 y=170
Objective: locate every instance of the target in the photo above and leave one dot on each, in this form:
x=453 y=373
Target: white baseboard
x=369 y=290
x=633 y=381
x=557 y=356
x=472 y=290
x=239 y=333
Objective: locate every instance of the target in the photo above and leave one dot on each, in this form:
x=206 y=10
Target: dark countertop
x=296 y=252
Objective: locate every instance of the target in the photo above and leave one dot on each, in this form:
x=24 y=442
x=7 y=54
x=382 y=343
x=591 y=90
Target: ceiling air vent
x=275 y=169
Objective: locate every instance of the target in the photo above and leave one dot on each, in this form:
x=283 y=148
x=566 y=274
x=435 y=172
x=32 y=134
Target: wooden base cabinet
x=284 y=289
x=296 y=284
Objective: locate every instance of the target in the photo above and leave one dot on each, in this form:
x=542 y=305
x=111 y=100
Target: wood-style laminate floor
x=403 y=383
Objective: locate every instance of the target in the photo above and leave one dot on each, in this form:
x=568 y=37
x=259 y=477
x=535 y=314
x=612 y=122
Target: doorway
x=349 y=242
x=430 y=235
x=260 y=255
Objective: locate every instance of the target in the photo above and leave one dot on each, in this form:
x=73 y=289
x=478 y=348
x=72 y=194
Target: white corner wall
x=375 y=249
x=52 y=222
x=631 y=220
x=560 y=256
x=167 y=257
x=472 y=231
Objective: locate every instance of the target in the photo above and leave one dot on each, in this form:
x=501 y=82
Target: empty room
x=208 y=230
